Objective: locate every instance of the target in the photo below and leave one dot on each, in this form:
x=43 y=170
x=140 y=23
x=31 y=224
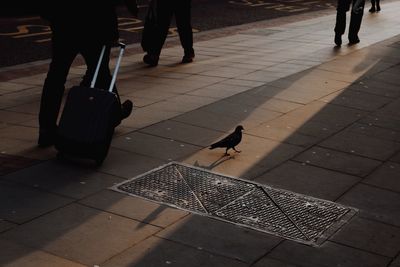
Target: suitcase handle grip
x=96 y=73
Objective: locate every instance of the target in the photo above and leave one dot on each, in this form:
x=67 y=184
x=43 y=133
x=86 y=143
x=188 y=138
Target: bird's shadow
x=214 y=164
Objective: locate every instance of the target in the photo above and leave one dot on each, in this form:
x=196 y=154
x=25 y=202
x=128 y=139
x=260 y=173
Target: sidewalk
x=318 y=121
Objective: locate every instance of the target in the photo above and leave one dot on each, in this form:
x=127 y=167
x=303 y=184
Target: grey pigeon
x=230 y=141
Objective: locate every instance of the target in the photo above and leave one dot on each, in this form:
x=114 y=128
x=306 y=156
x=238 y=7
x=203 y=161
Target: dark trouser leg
x=342 y=7
x=183 y=23
x=91 y=54
x=164 y=15
x=355 y=19
x=63 y=54
x=372 y=4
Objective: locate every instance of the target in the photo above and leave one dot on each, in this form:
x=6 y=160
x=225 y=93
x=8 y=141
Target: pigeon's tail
x=213 y=146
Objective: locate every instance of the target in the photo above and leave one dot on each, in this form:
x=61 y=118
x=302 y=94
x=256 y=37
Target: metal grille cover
x=275 y=211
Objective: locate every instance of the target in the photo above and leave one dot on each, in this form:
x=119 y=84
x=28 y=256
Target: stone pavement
x=319 y=120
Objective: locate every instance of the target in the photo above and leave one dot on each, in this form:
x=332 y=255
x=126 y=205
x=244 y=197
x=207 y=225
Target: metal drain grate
x=286 y=214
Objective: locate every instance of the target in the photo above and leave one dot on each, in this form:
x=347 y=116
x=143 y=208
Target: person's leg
x=342 y=7
x=372 y=9
x=355 y=20
x=63 y=54
x=184 y=25
x=378 y=6
x=163 y=15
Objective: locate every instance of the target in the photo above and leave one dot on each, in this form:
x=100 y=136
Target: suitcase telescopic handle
x=114 y=77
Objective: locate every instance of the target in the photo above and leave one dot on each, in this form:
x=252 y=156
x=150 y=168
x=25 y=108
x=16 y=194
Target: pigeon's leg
x=238 y=151
x=226 y=152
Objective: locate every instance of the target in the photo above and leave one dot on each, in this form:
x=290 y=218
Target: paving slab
x=26 y=148
x=146 y=116
x=272 y=263
x=32 y=108
x=285 y=135
x=14 y=117
x=204 y=119
x=374 y=203
x=218 y=90
x=371 y=236
x=220 y=238
x=287 y=94
x=338 y=161
x=183 y=132
x=134 y=208
x=13 y=86
x=81 y=234
x=161 y=148
x=64 y=178
x=15 y=255
x=227 y=72
x=396 y=157
x=240 y=110
x=386 y=177
x=362 y=145
x=21 y=97
x=380 y=119
x=127 y=164
x=328 y=114
x=303 y=127
x=357 y=100
x=309 y=81
x=268 y=103
x=391 y=77
x=308 y=180
x=376 y=87
x=10 y=163
x=22 y=133
x=328 y=255
x=5 y=225
x=21 y=203
x=375 y=131
x=156 y=252
x=392 y=109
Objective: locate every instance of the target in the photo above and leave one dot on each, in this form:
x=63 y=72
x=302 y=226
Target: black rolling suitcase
x=89 y=117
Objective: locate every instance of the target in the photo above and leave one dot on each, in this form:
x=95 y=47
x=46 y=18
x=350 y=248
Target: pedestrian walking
x=78 y=27
x=375 y=6
x=157 y=25
x=357 y=11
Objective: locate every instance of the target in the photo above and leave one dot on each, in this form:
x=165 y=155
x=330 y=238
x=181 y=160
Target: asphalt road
x=27 y=38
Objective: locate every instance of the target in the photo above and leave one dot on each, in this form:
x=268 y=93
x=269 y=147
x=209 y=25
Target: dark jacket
x=84 y=20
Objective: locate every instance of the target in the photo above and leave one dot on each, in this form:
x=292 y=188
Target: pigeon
x=230 y=141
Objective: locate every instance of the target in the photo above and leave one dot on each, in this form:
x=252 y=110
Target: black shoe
x=354 y=40
x=126 y=109
x=338 y=39
x=378 y=8
x=372 y=9
x=47 y=138
x=188 y=57
x=151 y=60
